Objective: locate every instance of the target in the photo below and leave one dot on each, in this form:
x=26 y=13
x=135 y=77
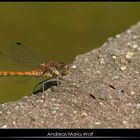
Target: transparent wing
x=18 y=57
x=22 y=54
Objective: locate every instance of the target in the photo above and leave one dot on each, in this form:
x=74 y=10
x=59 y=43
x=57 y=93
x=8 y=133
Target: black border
x=64 y=133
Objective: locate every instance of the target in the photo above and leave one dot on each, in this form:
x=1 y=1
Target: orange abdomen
x=19 y=73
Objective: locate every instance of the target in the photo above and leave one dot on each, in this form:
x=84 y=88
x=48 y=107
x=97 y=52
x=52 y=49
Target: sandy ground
x=102 y=90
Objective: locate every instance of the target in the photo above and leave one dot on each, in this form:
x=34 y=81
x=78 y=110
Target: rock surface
x=101 y=91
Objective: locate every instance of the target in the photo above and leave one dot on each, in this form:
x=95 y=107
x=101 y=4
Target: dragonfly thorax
x=53 y=69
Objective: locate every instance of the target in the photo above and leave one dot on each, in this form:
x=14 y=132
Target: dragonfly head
x=63 y=69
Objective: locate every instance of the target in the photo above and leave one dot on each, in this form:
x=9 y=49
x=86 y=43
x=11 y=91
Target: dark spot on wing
x=18 y=43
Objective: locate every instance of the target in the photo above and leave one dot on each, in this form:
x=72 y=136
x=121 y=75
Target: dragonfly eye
x=64 y=69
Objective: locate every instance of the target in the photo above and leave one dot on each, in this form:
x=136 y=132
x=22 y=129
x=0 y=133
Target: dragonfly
x=48 y=69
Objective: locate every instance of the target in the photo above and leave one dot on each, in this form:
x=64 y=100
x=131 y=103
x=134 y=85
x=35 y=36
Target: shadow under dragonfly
x=45 y=85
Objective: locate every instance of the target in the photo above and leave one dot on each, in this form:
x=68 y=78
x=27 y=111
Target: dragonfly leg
x=43 y=87
x=46 y=84
x=34 y=91
x=50 y=83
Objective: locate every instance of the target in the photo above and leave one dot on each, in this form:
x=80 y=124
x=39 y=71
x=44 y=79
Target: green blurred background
x=58 y=31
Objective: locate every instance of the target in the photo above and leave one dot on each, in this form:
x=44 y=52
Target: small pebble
x=97 y=123
x=129 y=31
x=135 y=37
x=73 y=67
x=135 y=46
x=84 y=114
x=102 y=61
x=132 y=93
x=129 y=55
x=125 y=122
x=137 y=106
x=123 y=68
x=75 y=112
x=53 y=99
x=100 y=103
x=138 y=48
x=114 y=57
x=118 y=36
x=8 y=112
x=4 y=126
x=54 y=109
x=74 y=84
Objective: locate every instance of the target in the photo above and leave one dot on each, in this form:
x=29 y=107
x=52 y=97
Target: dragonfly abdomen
x=48 y=70
x=20 y=73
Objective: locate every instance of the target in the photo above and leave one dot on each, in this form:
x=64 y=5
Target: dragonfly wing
x=24 y=55
x=18 y=57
